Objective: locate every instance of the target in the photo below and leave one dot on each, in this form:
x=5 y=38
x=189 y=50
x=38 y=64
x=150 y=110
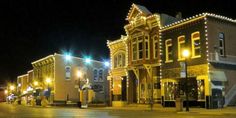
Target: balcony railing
x=228 y=59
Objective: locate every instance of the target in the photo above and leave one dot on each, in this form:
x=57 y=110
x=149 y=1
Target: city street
x=19 y=111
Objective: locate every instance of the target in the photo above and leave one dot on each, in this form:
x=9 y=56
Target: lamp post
x=186 y=55
x=48 y=81
x=79 y=75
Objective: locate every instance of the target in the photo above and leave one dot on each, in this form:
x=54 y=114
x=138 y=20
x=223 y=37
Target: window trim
x=134 y=43
x=223 y=44
x=94 y=75
x=154 y=50
x=193 y=46
x=102 y=74
x=167 y=60
x=119 y=63
x=139 y=41
x=68 y=78
x=179 y=48
x=148 y=49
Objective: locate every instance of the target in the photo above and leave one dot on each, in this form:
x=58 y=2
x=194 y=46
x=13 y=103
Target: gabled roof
x=141 y=9
x=196 y=17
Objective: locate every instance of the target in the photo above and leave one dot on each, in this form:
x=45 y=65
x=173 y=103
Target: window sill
x=181 y=59
x=169 y=61
x=193 y=57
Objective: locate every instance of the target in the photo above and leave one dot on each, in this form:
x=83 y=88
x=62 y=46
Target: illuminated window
x=134 y=49
x=68 y=72
x=95 y=75
x=170 y=89
x=140 y=48
x=196 y=49
x=115 y=61
x=123 y=59
x=146 y=47
x=155 y=46
x=181 y=45
x=100 y=75
x=169 y=50
x=119 y=60
x=222 y=44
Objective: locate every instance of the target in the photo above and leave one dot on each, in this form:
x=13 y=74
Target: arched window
x=155 y=46
x=119 y=60
x=68 y=72
x=100 y=75
x=123 y=59
x=95 y=75
x=181 y=46
x=196 y=49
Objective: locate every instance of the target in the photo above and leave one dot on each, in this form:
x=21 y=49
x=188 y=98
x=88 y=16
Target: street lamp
x=12 y=87
x=186 y=55
x=6 y=91
x=79 y=74
x=106 y=64
x=48 y=81
x=36 y=83
x=87 y=60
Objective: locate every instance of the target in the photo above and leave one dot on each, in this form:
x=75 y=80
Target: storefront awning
x=216 y=87
x=217 y=76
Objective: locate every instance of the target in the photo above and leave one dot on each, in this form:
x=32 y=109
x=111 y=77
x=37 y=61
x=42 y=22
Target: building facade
x=118 y=72
x=141 y=70
x=60 y=78
x=154 y=69
x=24 y=88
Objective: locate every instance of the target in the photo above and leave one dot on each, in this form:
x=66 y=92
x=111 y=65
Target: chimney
x=179 y=15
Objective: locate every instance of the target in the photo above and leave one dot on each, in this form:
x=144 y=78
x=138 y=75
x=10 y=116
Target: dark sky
x=32 y=29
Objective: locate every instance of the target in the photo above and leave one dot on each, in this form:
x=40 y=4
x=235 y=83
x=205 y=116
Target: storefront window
x=170 y=89
x=201 y=90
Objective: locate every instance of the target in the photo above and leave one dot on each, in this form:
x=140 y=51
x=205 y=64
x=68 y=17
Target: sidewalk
x=203 y=111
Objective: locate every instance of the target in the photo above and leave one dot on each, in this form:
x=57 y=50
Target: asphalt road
x=19 y=111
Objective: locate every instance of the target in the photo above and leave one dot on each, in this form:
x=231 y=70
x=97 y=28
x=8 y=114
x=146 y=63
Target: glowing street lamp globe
x=68 y=57
x=186 y=53
x=36 y=83
x=106 y=64
x=48 y=80
x=79 y=74
x=12 y=87
x=87 y=60
x=6 y=91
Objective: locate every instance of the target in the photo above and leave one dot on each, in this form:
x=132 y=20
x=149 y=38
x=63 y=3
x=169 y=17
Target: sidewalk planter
x=179 y=104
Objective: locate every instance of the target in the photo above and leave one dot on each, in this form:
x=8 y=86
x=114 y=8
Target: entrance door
x=132 y=90
x=217 y=98
x=124 y=88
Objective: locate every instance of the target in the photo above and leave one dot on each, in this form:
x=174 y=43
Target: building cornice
x=195 y=18
x=21 y=76
x=122 y=39
x=43 y=59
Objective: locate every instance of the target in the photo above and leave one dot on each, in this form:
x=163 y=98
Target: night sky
x=32 y=29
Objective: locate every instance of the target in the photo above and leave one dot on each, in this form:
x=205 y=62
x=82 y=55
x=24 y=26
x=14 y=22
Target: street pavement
x=20 y=111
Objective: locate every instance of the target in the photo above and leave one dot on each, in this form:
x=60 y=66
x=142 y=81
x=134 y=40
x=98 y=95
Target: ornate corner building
x=146 y=63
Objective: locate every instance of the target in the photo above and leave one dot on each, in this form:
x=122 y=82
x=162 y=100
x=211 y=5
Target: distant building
x=147 y=63
x=59 y=78
x=3 y=95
